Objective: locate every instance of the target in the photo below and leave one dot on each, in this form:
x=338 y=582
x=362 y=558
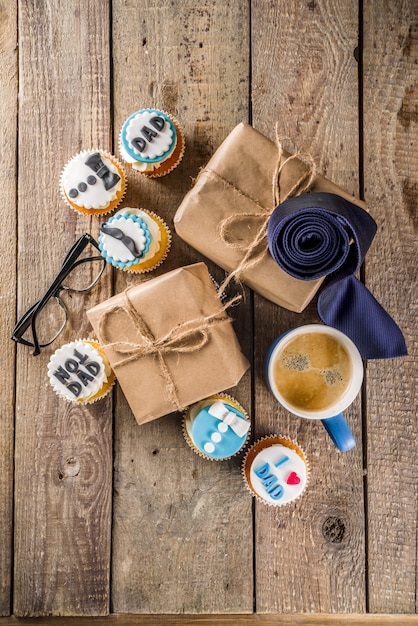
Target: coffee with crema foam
x=312 y=371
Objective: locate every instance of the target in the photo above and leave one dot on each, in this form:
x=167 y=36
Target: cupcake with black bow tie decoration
x=93 y=182
x=135 y=240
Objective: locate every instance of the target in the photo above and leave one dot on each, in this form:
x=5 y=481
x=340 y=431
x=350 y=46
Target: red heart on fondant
x=293 y=479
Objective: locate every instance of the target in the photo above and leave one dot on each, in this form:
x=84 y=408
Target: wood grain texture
x=221 y=620
x=8 y=174
x=391 y=188
x=310 y=555
x=63 y=451
x=182 y=538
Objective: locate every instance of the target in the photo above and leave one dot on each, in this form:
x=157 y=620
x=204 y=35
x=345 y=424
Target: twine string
x=190 y=336
x=257 y=249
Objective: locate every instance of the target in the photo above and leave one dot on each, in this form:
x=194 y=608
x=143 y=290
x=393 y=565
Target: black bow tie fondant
x=110 y=179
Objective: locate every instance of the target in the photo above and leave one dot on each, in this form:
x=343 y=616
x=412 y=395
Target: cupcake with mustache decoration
x=135 y=240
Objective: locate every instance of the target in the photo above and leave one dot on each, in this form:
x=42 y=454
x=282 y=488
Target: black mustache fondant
x=116 y=233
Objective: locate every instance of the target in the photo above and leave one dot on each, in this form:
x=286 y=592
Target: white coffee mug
x=331 y=416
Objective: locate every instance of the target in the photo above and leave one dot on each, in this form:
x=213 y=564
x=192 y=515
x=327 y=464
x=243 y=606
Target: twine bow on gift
x=187 y=337
x=257 y=249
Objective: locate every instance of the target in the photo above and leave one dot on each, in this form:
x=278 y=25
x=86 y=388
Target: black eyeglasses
x=46 y=319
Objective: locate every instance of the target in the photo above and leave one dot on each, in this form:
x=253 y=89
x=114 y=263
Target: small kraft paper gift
x=169 y=341
x=225 y=215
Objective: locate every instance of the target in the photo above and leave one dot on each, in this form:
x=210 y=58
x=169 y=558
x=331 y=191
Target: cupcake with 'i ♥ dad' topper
x=275 y=470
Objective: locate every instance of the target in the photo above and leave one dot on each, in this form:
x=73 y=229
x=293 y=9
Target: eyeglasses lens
x=86 y=271
x=49 y=322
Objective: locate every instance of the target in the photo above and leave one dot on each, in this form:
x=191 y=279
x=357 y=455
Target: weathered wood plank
x=8 y=114
x=63 y=452
x=305 y=77
x=222 y=620
x=182 y=538
x=391 y=188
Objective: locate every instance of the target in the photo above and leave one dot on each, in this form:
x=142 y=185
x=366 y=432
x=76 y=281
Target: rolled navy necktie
x=322 y=234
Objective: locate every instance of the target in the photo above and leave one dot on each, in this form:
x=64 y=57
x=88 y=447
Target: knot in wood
x=70 y=468
x=333 y=529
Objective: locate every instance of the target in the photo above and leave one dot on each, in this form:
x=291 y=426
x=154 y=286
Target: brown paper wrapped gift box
x=237 y=181
x=169 y=342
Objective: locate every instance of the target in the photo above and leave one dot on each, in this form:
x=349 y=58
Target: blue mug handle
x=339 y=431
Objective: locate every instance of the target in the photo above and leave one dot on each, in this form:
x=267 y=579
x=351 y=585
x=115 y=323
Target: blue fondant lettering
x=269 y=482
x=262 y=471
x=276 y=492
x=282 y=460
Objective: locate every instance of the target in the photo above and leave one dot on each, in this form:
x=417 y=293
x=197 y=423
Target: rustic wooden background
x=98 y=515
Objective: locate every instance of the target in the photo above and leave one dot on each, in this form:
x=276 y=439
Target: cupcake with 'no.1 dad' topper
x=275 y=470
x=80 y=372
x=135 y=240
x=216 y=428
x=151 y=142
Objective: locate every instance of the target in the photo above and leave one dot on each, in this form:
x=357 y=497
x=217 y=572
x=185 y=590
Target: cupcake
x=134 y=240
x=275 y=470
x=80 y=372
x=151 y=142
x=93 y=182
x=217 y=428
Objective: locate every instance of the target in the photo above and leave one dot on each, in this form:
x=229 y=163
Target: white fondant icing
x=274 y=473
x=95 y=196
x=77 y=371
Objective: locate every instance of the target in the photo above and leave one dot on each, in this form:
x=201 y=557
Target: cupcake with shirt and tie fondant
x=275 y=470
x=151 y=142
x=216 y=428
x=93 y=182
x=135 y=240
x=80 y=372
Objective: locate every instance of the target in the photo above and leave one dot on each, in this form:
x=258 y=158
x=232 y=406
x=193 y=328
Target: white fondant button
x=209 y=447
x=222 y=427
x=216 y=437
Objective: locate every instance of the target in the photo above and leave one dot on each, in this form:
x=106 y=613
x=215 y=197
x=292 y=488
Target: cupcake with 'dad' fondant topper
x=275 y=470
x=134 y=240
x=216 y=428
x=80 y=372
x=93 y=182
x=151 y=142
